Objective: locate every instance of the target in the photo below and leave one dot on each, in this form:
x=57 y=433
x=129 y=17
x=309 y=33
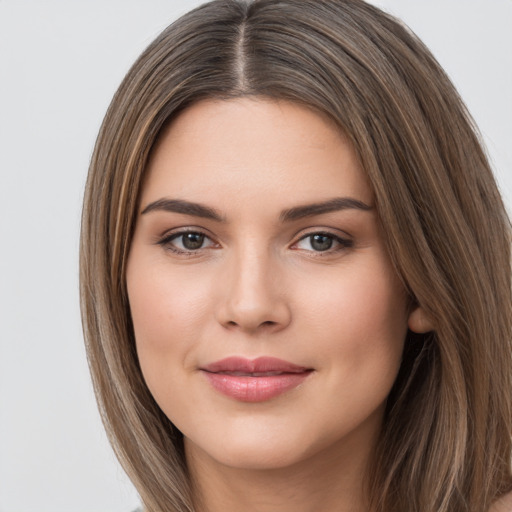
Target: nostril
x=253 y=316
x=265 y=324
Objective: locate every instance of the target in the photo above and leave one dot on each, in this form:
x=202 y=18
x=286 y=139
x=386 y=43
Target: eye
x=323 y=242
x=186 y=242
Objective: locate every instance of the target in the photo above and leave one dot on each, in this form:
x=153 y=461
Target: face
x=269 y=323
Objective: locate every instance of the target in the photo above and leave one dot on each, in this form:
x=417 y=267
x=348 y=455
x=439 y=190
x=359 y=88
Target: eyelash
x=340 y=243
x=167 y=240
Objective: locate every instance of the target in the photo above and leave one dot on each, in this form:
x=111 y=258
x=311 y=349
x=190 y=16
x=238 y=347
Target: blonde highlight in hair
x=446 y=440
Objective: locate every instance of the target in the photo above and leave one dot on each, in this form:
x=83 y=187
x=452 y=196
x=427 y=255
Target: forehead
x=247 y=147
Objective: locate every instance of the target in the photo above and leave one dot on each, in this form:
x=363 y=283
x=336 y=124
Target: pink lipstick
x=254 y=380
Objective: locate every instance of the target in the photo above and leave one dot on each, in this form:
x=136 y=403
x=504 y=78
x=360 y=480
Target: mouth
x=255 y=380
x=252 y=374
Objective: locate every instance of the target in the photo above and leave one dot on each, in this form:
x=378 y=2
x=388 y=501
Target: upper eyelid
x=335 y=232
x=168 y=233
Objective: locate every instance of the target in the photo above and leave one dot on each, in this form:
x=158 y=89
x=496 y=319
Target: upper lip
x=260 y=365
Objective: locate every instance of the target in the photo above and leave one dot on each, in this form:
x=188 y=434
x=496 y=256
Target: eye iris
x=192 y=241
x=321 y=242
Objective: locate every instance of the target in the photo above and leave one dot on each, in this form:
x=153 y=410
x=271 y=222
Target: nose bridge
x=251 y=270
x=253 y=298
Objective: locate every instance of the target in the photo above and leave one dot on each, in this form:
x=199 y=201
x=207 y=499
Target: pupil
x=193 y=241
x=321 y=242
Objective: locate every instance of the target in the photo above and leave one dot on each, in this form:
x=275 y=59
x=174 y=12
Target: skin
x=258 y=286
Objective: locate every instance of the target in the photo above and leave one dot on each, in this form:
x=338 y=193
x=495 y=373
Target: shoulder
x=504 y=504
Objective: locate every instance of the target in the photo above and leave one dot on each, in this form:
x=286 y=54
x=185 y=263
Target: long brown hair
x=446 y=439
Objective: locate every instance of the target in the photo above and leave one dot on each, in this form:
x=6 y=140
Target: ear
x=419 y=322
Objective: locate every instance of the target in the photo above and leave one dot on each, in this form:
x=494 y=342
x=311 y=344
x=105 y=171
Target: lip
x=254 y=380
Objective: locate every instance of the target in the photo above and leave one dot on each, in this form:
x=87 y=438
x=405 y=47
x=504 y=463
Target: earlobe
x=419 y=322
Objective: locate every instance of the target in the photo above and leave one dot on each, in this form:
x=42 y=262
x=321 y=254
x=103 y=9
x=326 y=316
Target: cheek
x=359 y=319
x=376 y=306
x=359 y=330
x=169 y=311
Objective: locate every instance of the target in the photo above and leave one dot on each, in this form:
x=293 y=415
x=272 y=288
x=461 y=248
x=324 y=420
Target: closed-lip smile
x=254 y=380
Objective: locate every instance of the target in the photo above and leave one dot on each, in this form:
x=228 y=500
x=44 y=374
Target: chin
x=263 y=449
x=257 y=459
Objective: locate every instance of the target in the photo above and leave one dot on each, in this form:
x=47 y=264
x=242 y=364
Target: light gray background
x=60 y=63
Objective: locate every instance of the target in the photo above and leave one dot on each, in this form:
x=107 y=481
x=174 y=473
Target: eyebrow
x=185 y=207
x=332 y=205
x=291 y=214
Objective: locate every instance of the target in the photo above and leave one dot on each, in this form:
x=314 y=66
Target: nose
x=253 y=298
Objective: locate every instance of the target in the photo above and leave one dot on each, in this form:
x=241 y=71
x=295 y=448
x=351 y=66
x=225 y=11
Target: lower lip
x=255 y=389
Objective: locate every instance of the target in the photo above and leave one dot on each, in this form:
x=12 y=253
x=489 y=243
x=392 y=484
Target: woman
x=296 y=271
